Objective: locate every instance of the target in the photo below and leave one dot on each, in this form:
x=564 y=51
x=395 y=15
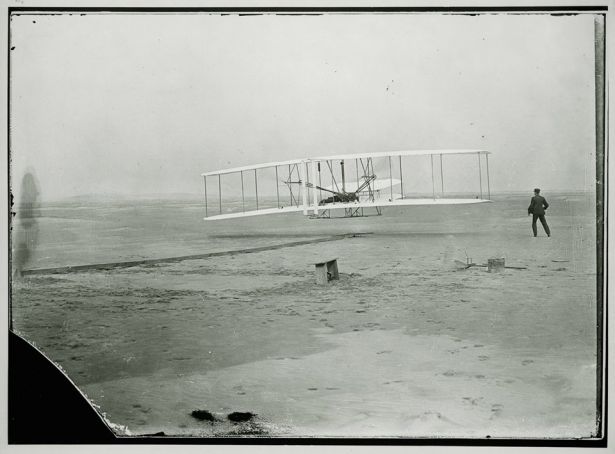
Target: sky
x=144 y=103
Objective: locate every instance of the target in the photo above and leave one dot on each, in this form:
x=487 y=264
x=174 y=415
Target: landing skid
x=348 y=213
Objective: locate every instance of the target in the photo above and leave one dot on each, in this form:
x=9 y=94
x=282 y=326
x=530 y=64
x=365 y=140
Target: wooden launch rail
x=114 y=265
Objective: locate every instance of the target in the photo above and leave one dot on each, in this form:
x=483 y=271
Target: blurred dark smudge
x=25 y=225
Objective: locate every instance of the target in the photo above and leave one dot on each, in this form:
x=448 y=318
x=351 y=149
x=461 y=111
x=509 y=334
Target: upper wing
x=386 y=154
x=254 y=167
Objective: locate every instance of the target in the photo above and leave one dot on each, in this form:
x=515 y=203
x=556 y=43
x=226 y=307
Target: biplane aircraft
x=346 y=184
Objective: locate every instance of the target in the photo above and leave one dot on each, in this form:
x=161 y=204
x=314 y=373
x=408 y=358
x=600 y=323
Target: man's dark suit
x=537 y=208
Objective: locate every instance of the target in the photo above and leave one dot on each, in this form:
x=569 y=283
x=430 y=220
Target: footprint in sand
x=483 y=358
x=479 y=376
x=525 y=362
x=472 y=400
x=449 y=373
x=496 y=409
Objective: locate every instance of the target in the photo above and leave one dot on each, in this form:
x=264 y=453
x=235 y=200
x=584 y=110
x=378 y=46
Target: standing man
x=537 y=208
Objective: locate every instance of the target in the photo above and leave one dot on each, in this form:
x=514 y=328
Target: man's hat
x=536 y=189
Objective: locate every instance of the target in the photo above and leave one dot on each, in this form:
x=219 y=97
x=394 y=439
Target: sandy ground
x=404 y=344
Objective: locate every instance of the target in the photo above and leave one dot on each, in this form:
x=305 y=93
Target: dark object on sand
x=326 y=271
x=495 y=265
x=240 y=416
x=203 y=415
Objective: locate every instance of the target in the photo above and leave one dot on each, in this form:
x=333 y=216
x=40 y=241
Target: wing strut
x=303 y=177
x=314 y=194
x=441 y=174
x=277 y=185
x=243 y=198
x=391 y=178
x=220 y=192
x=480 y=177
x=433 y=181
x=488 y=187
x=401 y=178
x=205 y=184
x=256 y=187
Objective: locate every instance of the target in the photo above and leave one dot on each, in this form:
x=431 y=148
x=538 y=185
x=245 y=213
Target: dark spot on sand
x=478 y=345
x=136 y=405
x=312 y=389
x=383 y=352
x=483 y=358
x=525 y=362
x=360 y=311
x=479 y=376
x=203 y=415
x=449 y=373
x=240 y=416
